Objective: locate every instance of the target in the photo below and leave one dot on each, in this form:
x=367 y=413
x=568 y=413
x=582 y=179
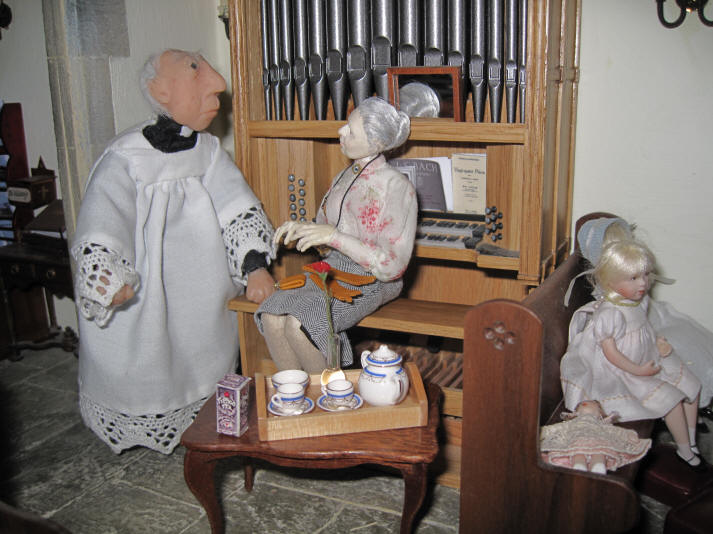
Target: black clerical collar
x=165 y=135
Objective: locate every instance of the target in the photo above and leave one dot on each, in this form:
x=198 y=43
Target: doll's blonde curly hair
x=622 y=259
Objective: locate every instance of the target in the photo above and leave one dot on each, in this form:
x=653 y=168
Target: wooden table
x=410 y=450
x=24 y=267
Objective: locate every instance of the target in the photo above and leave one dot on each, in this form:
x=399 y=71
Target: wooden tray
x=412 y=411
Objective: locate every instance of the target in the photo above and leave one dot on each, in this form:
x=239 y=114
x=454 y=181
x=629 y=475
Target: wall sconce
x=5 y=16
x=686 y=6
x=223 y=15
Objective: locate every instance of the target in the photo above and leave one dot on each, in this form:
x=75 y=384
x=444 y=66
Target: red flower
x=321 y=267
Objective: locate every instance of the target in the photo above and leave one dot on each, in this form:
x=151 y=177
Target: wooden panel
x=504 y=190
x=552 y=148
x=444 y=130
x=459 y=283
x=400 y=315
x=570 y=49
x=246 y=44
x=251 y=343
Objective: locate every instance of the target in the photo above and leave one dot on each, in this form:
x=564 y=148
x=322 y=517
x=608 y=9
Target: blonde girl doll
x=691 y=341
x=616 y=358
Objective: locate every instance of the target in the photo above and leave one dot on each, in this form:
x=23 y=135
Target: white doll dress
x=586 y=374
x=690 y=341
x=158 y=219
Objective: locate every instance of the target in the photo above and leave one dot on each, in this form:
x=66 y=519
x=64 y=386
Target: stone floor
x=50 y=464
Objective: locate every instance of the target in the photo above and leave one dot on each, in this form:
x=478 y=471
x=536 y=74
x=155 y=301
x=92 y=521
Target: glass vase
x=334 y=354
x=333 y=370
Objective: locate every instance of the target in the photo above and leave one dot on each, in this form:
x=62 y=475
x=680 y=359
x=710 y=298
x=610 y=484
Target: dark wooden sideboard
x=26 y=269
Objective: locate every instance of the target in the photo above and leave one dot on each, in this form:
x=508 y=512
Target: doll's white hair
x=622 y=259
x=385 y=126
x=417 y=99
x=146 y=76
x=149 y=72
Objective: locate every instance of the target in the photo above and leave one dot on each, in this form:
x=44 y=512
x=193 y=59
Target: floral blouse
x=375 y=213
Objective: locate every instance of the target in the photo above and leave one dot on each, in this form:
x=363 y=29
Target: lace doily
x=160 y=432
x=248 y=231
x=100 y=267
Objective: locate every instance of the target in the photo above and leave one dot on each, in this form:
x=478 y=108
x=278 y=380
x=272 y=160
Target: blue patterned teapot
x=383 y=380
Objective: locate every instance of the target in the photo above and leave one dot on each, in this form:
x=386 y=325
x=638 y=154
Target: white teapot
x=383 y=380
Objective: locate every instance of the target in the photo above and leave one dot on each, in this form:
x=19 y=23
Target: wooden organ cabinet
x=529 y=179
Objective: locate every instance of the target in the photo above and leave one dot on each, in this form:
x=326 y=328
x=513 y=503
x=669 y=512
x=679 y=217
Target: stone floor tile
x=356 y=485
x=35 y=413
x=47 y=477
x=442 y=505
x=14 y=372
x=366 y=521
x=653 y=515
x=61 y=376
x=120 y=508
x=44 y=359
x=161 y=473
x=268 y=508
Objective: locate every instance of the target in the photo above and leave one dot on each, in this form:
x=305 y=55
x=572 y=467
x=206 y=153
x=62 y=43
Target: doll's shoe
x=700 y=467
x=706 y=412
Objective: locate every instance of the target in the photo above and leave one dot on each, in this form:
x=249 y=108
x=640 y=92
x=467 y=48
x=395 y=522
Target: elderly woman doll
x=367 y=223
x=616 y=358
x=588 y=441
x=168 y=231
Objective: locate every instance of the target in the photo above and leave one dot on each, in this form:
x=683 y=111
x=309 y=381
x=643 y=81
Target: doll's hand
x=650 y=368
x=125 y=292
x=313 y=235
x=664 y=346
x=289 y=231
x=260 y=285
x=306 y=234
x=283 y=230
x=121 y=296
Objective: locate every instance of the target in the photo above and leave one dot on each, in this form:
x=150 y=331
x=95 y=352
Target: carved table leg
x=198 y=469
x=415 y=480
x=249 y=469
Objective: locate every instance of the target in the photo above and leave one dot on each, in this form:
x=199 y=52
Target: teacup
x=289 y=398
x=290 y=376
x=339 y=392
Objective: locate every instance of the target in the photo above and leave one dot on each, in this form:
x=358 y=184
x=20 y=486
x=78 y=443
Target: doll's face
x=589 y=407
x=632 y=287
x=352 y=138
x=188 y=88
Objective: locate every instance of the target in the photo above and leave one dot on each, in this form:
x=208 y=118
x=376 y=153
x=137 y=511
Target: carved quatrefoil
x=499 y=335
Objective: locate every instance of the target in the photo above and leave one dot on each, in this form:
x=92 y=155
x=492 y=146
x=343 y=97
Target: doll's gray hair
x=417 y=99
x=385 y=126
x=147 y=74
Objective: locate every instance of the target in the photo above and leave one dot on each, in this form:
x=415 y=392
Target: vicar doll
x=168 y=232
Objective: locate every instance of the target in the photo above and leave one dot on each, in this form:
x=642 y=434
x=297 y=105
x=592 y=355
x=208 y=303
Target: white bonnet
x=591 y=236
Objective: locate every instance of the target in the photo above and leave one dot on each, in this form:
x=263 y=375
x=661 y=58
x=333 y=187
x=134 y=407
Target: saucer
x=324 y=403
x=307 y=403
